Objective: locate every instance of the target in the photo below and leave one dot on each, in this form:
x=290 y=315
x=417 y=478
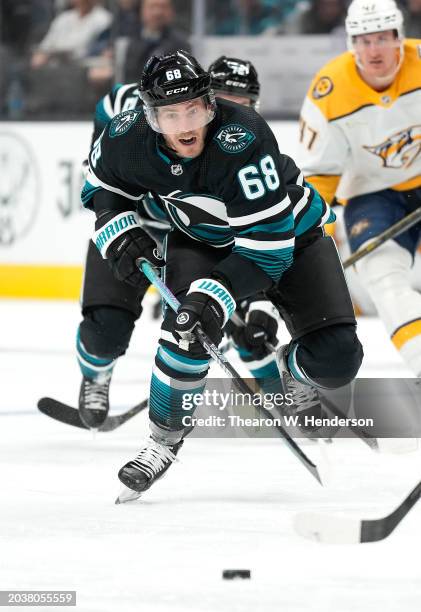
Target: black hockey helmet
x=235 y=76
x=173 y=79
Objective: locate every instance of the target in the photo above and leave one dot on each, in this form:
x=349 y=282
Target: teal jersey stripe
x=274 y=263
x=156 y=211
x=116 y=87
x=332 y=217
x=214 y=235
x=101 y=116
x=315 y=210
x=88 y=191
x=286 y=225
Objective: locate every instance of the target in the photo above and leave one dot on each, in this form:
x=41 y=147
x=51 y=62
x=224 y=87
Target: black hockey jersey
x=121 y=98
x=126 y=97
x=233 y=194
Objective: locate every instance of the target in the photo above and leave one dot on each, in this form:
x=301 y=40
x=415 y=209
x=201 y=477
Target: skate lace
x=304 y=396
x=96 y=395
x=154 y=458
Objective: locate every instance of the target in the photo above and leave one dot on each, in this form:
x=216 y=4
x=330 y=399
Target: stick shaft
x=392 y=232
x=172 y=301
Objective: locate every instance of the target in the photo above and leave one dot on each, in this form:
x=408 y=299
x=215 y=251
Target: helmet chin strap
x=383 y=81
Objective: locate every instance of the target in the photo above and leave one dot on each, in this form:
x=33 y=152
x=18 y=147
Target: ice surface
x=225 y=504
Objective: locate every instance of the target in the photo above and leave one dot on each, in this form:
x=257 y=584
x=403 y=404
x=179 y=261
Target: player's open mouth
x=187 y=141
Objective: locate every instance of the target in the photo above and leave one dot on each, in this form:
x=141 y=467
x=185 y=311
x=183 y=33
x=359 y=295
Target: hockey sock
x=264 y=370
x=295 y=368
x=177 y=379
x=91 y=366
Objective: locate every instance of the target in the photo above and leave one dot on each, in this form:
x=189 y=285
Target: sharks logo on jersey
x=123 y=122
x=201 y=216
x=234 y=138
x=399 y=150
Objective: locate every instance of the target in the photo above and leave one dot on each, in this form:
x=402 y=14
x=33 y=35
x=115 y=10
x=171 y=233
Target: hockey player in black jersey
x=110 y=307
x=235 y=232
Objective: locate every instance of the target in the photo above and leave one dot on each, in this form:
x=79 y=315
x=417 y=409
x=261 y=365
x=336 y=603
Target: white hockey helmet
x=368 y=16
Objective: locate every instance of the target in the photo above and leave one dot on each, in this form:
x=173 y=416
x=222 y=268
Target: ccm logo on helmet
x=170 y=92
x=236 y=83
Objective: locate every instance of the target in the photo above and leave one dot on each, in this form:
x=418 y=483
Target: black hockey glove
x=207 y=303
x=261 y=328
x=122 y=241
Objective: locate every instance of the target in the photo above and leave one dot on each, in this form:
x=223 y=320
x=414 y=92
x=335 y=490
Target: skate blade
x=127 y=495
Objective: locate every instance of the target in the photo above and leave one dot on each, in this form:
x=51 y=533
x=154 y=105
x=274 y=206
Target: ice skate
x=151 y=463
x=305 y=397
x=94 y=400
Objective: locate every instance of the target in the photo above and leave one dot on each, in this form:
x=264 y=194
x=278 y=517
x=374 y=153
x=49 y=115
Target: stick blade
x=328 y=529
x=313 y=469
x=60 y=412
x=112 y=422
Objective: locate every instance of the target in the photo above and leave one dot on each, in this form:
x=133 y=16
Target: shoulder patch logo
x=322 y=88
x=234 y=138
x=122 y=123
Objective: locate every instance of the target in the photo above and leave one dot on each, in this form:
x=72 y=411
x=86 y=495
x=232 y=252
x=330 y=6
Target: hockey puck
x=231 y=574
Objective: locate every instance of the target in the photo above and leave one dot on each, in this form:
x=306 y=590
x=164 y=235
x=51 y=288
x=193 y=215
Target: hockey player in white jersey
x=360 y=133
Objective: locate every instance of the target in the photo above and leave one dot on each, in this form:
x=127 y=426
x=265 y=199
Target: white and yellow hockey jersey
x=355 y=140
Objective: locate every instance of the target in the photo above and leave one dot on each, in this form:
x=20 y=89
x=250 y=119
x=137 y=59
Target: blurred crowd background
x=57 y=57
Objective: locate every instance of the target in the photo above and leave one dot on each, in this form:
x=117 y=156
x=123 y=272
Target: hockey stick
x=345 y=530
x=393 y=231
x=364 y=436
x=70 y=416
x=368 y=439
x=380 y=445
x=222 y=361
